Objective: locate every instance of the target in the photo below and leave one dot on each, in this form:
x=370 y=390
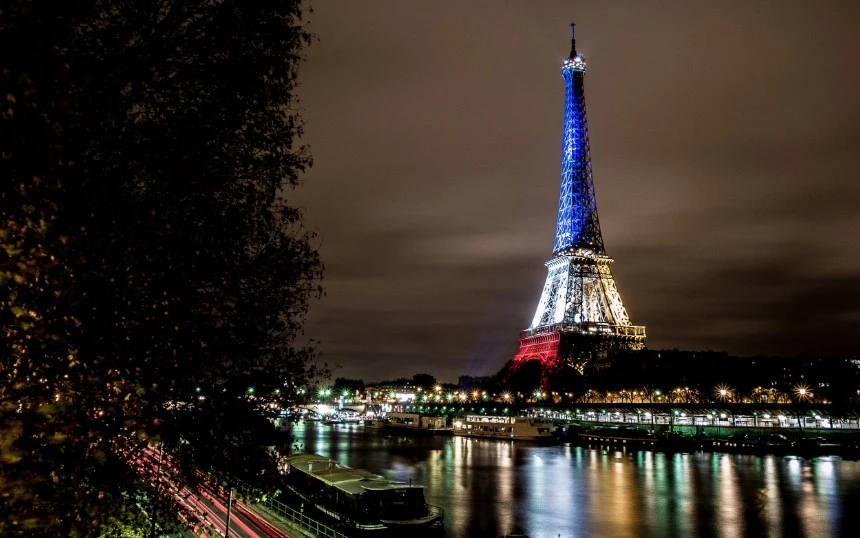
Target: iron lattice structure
x=580 y=318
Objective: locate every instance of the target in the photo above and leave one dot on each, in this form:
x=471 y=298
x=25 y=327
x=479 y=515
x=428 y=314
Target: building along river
x=490 y=487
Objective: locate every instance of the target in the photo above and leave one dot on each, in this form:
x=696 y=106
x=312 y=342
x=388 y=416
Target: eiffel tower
x=580 y=319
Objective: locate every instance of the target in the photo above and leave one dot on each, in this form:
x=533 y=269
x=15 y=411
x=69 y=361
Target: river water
x=490 y=488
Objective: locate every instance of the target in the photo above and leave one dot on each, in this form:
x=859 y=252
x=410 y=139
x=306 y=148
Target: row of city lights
x=721 y=392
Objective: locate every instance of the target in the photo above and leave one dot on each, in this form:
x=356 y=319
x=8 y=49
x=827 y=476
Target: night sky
x=725 y=140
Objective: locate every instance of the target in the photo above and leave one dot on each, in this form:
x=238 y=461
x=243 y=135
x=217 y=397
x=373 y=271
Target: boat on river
x=359 y=502
x=620 y=437
x=415 y=423
x=343 y=416
x=502 y=427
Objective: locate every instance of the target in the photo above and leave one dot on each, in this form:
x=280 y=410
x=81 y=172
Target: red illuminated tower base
x=543 y=347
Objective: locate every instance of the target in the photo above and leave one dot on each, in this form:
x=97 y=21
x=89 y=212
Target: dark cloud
x=725 y=141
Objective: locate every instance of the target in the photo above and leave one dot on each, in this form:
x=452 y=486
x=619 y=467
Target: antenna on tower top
x=572 y=40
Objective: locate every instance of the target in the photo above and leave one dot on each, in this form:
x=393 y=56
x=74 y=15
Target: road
x=205 y=507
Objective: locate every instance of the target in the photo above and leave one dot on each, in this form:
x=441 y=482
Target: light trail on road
x=207 y=506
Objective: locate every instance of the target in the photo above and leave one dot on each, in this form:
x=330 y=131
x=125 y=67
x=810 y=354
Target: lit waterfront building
x=580 y=318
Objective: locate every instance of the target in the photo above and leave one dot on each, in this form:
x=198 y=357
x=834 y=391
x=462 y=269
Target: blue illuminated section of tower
x=578 y=226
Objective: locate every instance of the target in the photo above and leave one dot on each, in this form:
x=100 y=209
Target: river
x=488 y=488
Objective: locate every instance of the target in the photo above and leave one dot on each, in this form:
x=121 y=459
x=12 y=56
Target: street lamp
x=723 y=392
x=803 y=393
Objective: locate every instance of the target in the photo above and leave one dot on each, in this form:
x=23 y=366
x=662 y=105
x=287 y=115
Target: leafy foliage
x=154 y=276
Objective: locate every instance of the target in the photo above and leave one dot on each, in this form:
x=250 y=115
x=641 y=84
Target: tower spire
x=572 y=40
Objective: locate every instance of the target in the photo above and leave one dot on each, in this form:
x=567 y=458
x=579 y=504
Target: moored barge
x=359 y=502
x=416 y=423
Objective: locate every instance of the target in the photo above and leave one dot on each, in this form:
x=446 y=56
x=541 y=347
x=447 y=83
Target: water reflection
x=490 y=487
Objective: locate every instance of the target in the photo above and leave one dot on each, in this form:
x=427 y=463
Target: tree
x=154 y=276
x=348 y=386
x=525 y=379
x=424 y=380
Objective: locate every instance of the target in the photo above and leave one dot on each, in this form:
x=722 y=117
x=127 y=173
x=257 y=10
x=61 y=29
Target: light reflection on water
x=490 y=487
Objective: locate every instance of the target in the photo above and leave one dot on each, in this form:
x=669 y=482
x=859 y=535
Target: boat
x=619 y=436
x=359 y=502
x=375 y=424
x=347 y=416
x=312 y=416
x=415 y=423
x=501 y=427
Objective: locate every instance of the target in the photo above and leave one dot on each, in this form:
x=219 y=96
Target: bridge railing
x=282 y=510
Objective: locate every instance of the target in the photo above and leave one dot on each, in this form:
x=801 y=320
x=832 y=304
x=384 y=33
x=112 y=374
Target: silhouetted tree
x=154 y=277
x=423 y=380
x=342 y=385
x=526 y=379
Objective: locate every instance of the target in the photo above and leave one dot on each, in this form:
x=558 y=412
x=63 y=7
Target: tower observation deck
x=580 y=318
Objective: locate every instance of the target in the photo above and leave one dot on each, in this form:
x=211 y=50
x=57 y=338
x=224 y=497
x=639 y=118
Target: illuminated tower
x=580 y=318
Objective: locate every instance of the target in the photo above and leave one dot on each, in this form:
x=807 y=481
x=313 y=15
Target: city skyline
x=721 y=147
